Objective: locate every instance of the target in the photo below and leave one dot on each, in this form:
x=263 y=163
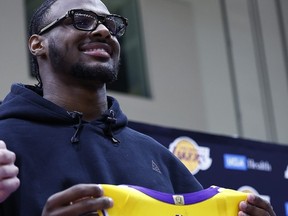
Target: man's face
x=84 y=55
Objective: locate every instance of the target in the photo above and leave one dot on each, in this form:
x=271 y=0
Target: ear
x=36 y=45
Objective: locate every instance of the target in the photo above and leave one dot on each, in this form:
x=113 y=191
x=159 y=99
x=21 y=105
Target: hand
x=81 y=199
x=255 y=206
x=8 y=172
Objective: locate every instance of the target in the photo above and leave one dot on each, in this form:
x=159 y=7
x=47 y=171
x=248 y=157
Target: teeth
x=91 y=50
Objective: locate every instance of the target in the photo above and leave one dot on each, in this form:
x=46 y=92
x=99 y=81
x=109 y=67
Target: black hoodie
x=56 y=149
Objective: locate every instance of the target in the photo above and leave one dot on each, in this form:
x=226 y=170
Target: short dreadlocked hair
x=37 y=22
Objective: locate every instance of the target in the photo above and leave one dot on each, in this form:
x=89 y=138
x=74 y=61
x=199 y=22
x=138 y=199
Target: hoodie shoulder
x=26 y=102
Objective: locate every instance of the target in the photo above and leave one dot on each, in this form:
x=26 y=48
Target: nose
x=101 y=31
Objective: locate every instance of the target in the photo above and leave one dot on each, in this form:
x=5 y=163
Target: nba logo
x=286 y=208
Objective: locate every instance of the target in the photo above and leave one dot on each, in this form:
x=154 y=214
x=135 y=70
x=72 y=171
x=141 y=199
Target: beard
x=100 y=73
x=80 y=70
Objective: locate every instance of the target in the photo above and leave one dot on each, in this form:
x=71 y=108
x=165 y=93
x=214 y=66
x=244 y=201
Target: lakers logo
x=194 y=157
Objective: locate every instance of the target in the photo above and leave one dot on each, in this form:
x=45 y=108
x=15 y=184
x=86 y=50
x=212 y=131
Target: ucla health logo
x=235 y=162
x=194 y=157
x=241 y=162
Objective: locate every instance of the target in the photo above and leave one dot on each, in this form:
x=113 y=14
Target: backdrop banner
x=230 y=162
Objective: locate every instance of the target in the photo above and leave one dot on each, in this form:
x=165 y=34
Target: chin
x=102 y=73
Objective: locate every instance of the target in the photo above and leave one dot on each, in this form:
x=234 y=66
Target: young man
x=68 y=135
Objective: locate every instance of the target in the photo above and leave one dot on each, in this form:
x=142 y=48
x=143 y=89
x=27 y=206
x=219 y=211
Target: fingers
x=8 y=172
x=2 y=145
x=86 y=206
x=78 y=200
x=8 y=186
x=75 y=193
x=7 y=159
x=261 y=203
x=255 y=205
x=90 y=205
x=6 y=156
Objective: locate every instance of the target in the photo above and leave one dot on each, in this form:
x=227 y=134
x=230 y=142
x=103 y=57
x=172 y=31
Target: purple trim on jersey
x=190 y=198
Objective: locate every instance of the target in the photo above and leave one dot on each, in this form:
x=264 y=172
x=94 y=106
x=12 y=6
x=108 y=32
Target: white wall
x=206 y=75
x=13 y=48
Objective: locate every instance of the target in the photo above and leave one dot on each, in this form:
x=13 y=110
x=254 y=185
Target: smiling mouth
x=97 y=50
x=98 y=53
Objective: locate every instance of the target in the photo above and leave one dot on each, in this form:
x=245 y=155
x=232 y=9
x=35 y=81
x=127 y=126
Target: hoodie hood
x=25 y=102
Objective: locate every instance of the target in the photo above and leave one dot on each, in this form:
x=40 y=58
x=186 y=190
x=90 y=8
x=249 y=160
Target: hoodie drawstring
x=78 y=127
x=111 y=120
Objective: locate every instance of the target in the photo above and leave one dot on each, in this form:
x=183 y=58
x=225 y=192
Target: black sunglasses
x=85 y=20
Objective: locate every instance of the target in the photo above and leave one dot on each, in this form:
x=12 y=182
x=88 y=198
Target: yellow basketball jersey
x=139 y=201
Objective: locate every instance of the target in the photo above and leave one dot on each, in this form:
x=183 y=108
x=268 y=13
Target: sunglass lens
x=84 y=21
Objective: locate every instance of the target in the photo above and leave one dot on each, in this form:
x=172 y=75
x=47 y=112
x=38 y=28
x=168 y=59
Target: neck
x=92 y=102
